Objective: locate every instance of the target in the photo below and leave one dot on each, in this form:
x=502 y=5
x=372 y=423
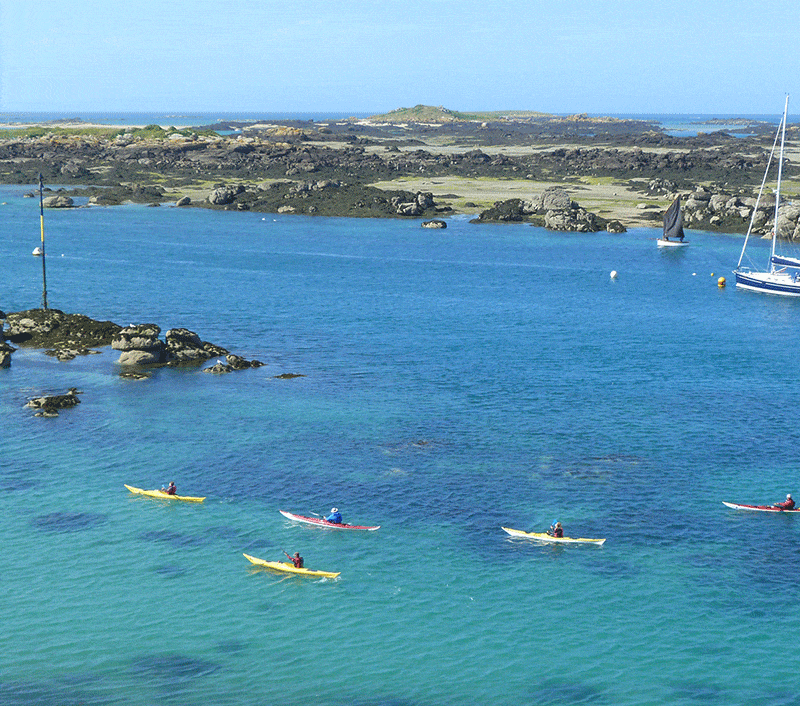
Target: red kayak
x=760 y=508
x=324 y=523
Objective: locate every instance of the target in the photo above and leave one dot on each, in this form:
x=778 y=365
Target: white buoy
x=613 y=274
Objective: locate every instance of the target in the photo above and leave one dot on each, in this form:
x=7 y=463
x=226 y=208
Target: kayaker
x=335 y=517
x=787 y=504
x=171 y=489
x=555 y=529
x=297 y=560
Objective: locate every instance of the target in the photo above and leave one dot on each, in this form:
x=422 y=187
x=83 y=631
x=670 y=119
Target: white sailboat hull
x=783 y=274
x=671 y=243
x=783 y=283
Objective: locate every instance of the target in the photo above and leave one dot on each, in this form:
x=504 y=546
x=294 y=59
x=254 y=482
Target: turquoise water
x=454 y=382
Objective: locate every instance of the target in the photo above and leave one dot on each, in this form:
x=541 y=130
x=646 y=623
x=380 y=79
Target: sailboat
x=673 y=227
x=783 y=275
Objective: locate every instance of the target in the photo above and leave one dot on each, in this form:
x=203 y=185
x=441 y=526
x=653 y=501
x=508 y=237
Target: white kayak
x=544 y=537
x=757 y=508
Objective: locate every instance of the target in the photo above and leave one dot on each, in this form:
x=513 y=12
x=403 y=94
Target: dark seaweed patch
x=173 y=538
x=169 y=571
x=49 y=693
x=68 y=521
x=230 y=647
x=172 y=668
x=699 y=693
x=558 y=693
x=229 y=534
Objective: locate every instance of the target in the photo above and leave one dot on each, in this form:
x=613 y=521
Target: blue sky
x=559 y=56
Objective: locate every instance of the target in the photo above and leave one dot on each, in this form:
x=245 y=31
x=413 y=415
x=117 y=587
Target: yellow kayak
x=544 y=537
x=289 y=568
x=164 y=496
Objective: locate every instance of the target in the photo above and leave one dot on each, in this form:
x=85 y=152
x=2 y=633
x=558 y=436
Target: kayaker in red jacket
x=297 y=560
x=555 y=529
x=787 y=504
x=171 y=489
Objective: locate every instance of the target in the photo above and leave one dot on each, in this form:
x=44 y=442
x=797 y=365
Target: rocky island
x=65 y=336
x=572 y=173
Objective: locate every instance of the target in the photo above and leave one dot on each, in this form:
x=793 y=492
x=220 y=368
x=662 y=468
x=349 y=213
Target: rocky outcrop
x=415 y=207
x=50 y=404
x=553 y=209
x=140 y=345
x=65 y=354
x=52 y=328
x=184 y=347
x=712 y=209
x=435 y=223
x=576 y=220
x=225 y=195
x=232 y=362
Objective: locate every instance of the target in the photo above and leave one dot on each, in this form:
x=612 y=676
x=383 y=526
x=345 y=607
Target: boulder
x=435 y=223
x=183 y=201
x=224 y=195
x=555 y=199
x=58 y=201
x=142 y=337
x=185 y=347
x=577 y=220
x=138 y=357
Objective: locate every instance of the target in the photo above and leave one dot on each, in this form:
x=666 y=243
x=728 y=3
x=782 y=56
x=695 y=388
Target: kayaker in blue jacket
x=335 y=517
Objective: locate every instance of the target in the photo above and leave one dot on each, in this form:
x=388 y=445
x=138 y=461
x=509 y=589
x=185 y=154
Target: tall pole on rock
x=41 y=223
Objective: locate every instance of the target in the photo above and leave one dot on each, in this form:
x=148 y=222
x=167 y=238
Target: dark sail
x=673 y=221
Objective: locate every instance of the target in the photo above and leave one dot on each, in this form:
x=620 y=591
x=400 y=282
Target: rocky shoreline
x=353 y=168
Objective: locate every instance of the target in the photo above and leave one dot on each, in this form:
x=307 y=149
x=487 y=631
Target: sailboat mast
x=41 y=223
x=778 y=188
x=758 y=198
